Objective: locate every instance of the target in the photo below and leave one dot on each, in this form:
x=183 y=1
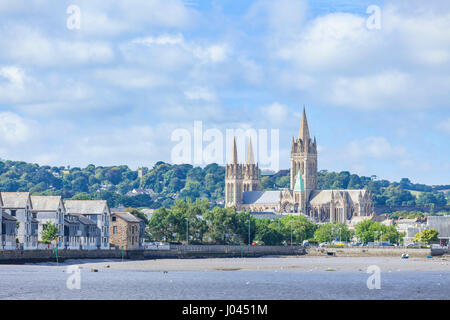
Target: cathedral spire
x=250 y=156
x=234 y=157
x=304 y=131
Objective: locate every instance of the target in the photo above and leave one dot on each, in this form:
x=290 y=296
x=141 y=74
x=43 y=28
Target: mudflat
x=309 y=263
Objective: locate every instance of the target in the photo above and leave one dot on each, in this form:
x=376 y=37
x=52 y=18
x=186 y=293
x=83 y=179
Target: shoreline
x=268 y=263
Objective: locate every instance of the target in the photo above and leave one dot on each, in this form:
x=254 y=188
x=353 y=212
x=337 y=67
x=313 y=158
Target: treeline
x=161 y=185
x=198 y=223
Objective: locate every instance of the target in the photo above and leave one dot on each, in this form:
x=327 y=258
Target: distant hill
x=164 y=183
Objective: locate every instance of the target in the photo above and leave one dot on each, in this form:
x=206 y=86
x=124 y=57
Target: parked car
x=306 y=243
x=356 y=244
x=323 y=244
x=339 y=243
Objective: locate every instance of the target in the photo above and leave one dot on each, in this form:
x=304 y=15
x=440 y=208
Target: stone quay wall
x=175 y=252
x=371 y=252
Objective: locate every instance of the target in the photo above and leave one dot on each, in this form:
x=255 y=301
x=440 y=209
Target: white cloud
x=14 y=75
x=444 y=125
x=131 y=78
x=14 y=129
x=276 y=113
x=166 y=39
x=369 y=91
x=200 y=93
x=374 y=147
x=29 y=46
x=402 y=65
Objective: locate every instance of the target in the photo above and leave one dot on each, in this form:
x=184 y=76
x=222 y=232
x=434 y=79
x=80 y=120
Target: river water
x=50 y=282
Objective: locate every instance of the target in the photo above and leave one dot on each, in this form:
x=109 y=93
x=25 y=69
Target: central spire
x=304 y=131
x=250 y=156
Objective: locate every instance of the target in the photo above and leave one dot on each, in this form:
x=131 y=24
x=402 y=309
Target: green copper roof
x=299 y=185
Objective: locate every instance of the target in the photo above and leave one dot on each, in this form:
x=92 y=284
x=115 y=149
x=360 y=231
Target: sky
x=114 y=90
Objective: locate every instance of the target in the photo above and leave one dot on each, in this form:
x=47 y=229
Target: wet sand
x=274 y=263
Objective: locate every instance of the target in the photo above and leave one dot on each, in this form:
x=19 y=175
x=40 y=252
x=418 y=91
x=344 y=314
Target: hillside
x=164 y=183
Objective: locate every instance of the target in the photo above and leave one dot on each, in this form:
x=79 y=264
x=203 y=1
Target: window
x=114 y=230
x=114 y=219
x=13 y=213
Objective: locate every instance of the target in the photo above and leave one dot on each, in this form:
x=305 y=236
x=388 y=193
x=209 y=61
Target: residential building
x=125 y=231
x=8 y=231
x=49 y=209
x=96 y=210
x=72 y=232
x=90 y=234
x=442 y=225
x=18 y=205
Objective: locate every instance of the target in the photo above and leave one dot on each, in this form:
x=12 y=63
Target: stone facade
x=49 y=209
x=96 y=210
x=18 y=205
x=303 y=197
x=125 y=231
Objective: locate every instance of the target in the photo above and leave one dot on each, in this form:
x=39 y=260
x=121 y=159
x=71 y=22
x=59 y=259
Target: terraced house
x=18 y=205
x=8 y=231
x=96 y=210
x=49 y=209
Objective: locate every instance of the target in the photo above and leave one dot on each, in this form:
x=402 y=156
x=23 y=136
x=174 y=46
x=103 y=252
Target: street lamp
x=187 y=231
x=249 y=231
x=291 y=233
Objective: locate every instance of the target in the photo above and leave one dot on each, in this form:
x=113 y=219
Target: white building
x=49 y=209
x=96 y=210
x=18 y=205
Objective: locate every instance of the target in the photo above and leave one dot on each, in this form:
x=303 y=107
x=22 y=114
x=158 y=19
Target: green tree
x=49 y=232
x=298 y=226
x=427 y=236
x=329 y=232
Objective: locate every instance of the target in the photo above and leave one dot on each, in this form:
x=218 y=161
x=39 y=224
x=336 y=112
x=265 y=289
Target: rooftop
x=128 y=217
x=15 y=199
x=45 y=203
x=85 y=206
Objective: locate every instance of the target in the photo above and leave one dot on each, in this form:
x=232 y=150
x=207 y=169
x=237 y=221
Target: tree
x=329 y=232
x=269 y=235
x=370 y=231
x=49 y=232
x=298 y=226
x=427 y=236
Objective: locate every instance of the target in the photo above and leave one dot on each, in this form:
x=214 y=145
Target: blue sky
x=114 y=91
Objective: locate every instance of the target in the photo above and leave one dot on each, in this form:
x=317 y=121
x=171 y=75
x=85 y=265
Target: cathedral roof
x=299 y=185
x=261 y=197
x=324 y=196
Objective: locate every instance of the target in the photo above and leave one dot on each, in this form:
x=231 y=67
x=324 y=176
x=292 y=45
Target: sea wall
x=175 y=252
x=369 y=252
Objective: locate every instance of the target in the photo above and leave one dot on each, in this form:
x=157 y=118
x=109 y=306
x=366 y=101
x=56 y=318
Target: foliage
x=223 y=225
x=164 y=183
x=370 y=231
x=427 y=236
x=329 y=232
x=49 y=232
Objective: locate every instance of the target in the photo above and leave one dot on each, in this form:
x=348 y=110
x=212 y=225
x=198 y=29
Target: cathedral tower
x=233 y=180
x=251 y=171
x=303 y=165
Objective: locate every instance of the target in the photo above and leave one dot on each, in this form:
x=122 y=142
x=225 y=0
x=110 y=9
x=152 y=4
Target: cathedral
x=242 y=187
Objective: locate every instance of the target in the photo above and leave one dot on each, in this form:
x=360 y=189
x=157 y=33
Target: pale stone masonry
x=96 y=210
x=303 y=197
x=125 y=231
x=49 y=209
x=18 y=205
